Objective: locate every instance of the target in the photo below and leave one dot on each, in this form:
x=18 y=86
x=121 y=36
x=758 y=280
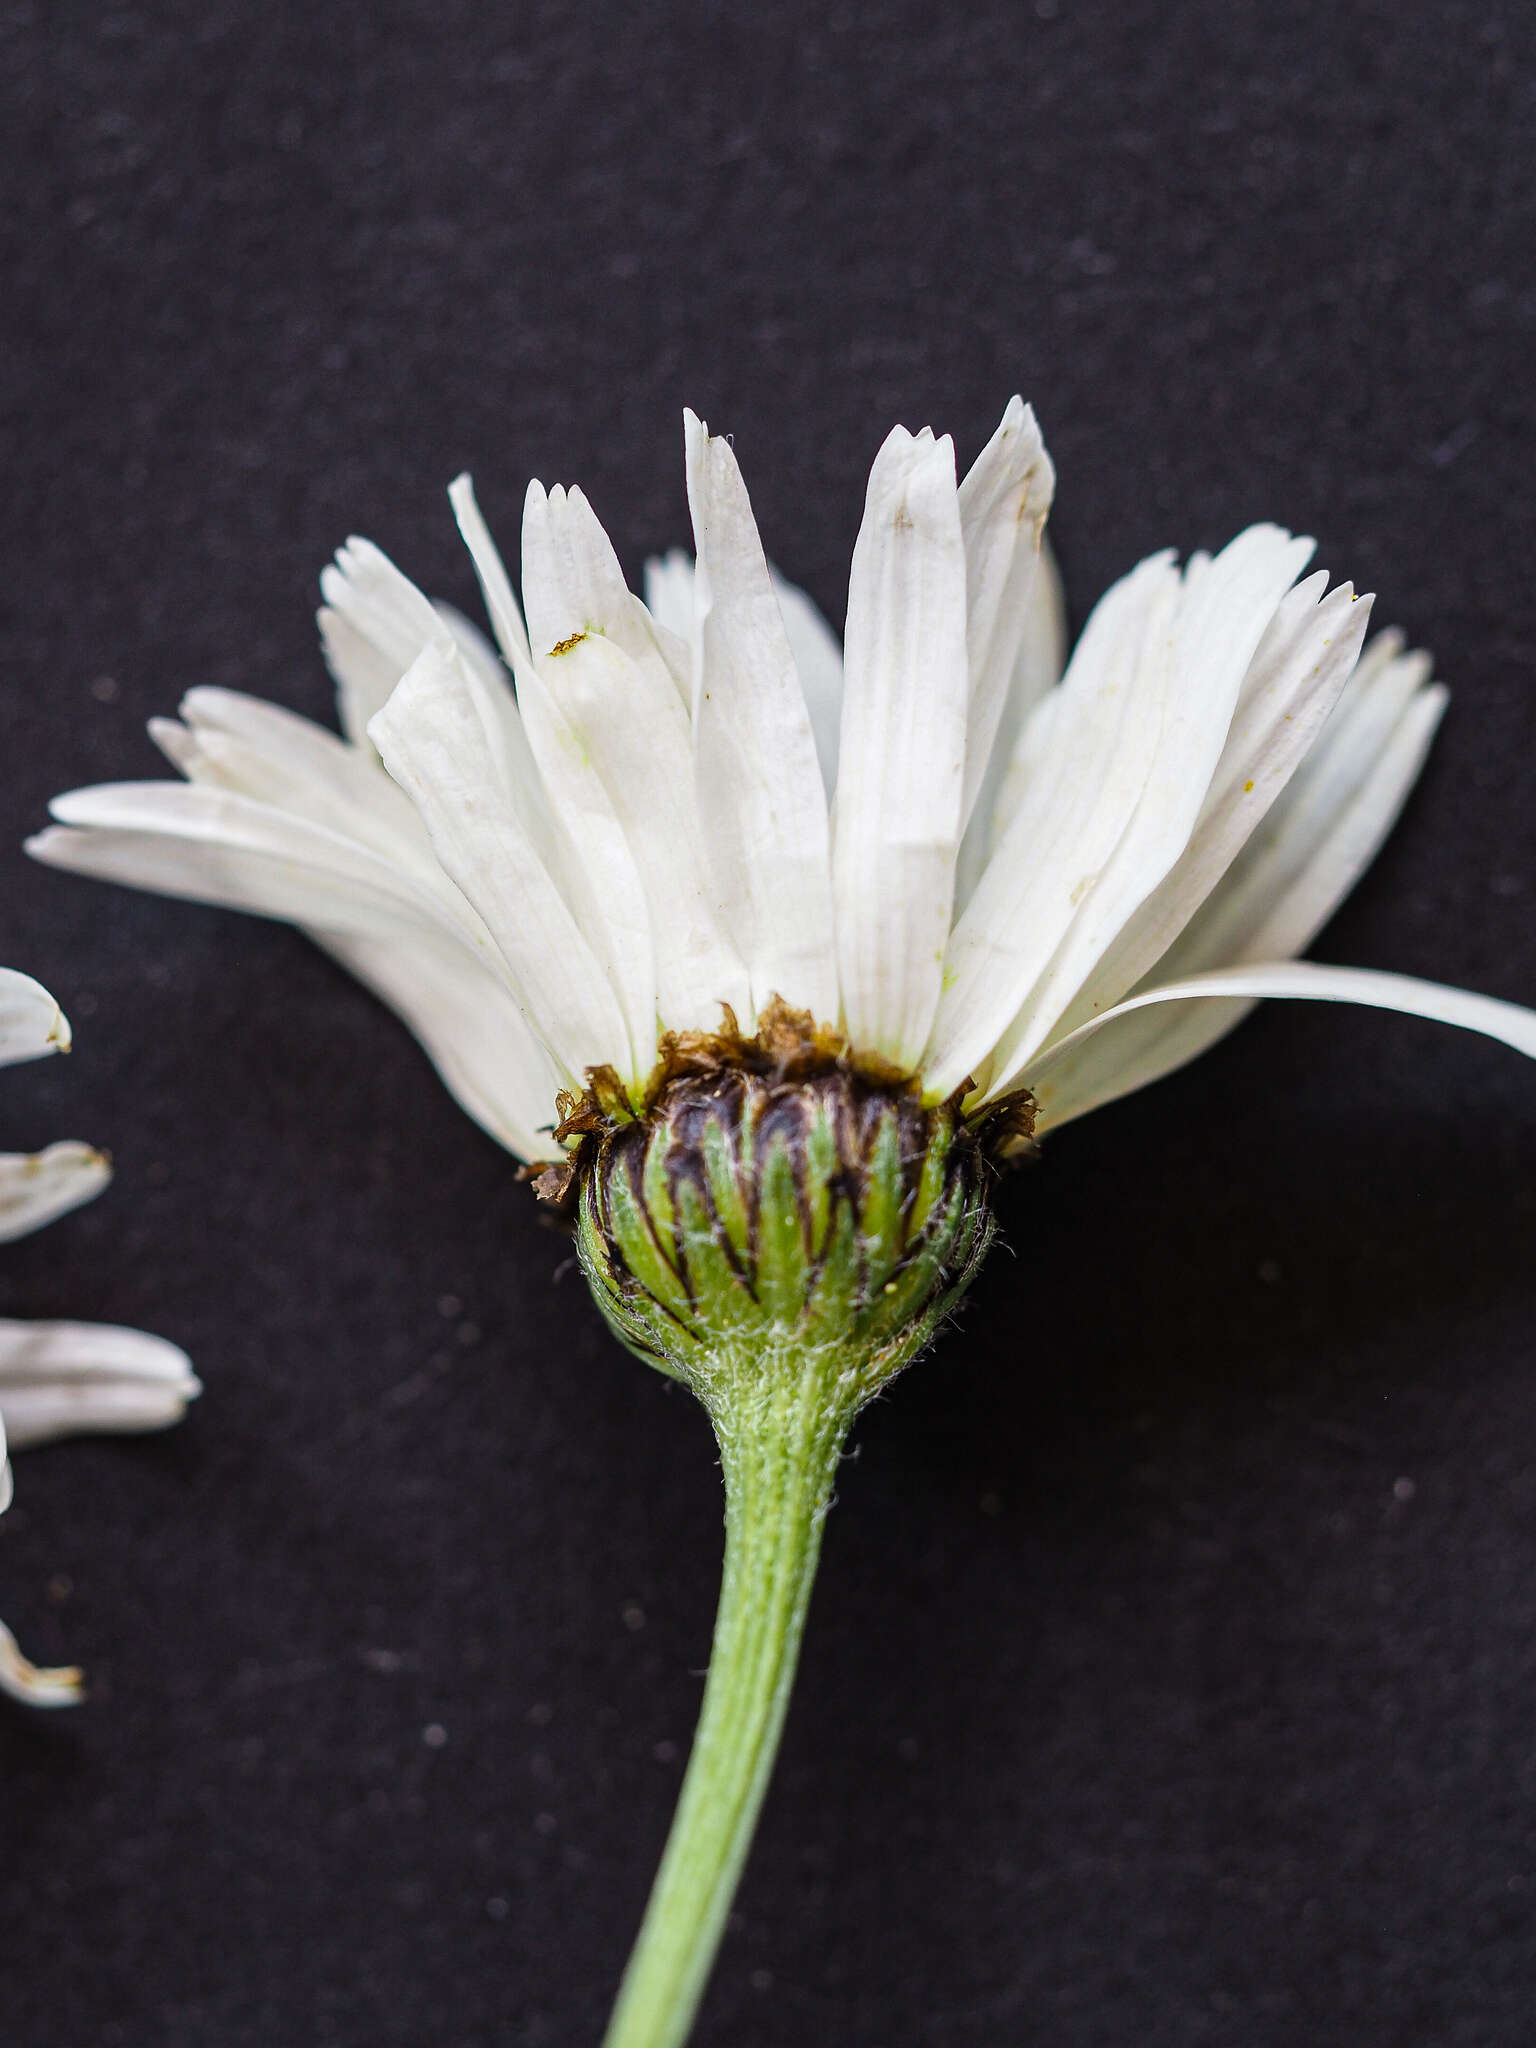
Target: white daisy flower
x=64 y=1379
x=789 y=941
x=980 y=869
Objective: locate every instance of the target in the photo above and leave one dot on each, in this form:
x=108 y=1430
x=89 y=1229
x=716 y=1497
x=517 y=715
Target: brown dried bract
x=788 y=1046
x=1007 y=1128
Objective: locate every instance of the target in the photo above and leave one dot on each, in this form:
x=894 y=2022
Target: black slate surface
x=1170 y=1678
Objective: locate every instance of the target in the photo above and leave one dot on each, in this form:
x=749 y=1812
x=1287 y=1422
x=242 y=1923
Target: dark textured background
x=1171 y=1676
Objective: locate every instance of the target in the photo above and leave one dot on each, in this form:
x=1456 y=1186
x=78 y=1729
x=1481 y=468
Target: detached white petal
x=900 y=792
x=36 y=1685
x=761 y=800
x=35 y=1187
x=58 y=1378
x=31 y=1022
x=89 y=1379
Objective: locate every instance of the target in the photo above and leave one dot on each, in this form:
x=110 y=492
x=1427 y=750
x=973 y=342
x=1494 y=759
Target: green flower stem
x=781 y=1421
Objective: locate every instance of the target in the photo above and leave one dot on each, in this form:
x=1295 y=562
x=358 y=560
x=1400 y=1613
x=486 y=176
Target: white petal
x=495 y=584
x=283 y=735
x=572 y=583
x=1309 y=980
x=762 y=804
x=1292 y=685
x=463 y=1013
x=1224 y=611
x=20 y=1678
x=76 y=1379
x=1326 y=829
x=471 y=1028
x=434 y=740
x=627 y=962
x=901 y=761
x=1084 y=760
x=439 y=971
x=473 y=645
x=32 y=1684
x=370 y=600
x=1037 y=669
x=599 y=877
x=817 y=651
x=556 y=821
x=628 y=724
x=1004 y=501
x=819 y=662
x=212 y=846
x=259 y=750
x=1224 y=608
x=36 y=1187
x=669 y=592
x=1284 y=886
x=373 y=624
x=1043 y=650
x=31 y=1022
x=611 y=732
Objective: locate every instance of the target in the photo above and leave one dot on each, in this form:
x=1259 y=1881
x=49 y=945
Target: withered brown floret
x=788 y=1047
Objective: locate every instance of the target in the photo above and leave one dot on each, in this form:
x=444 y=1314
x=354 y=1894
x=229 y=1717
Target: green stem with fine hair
x=784 y=1234
x=781 y=1423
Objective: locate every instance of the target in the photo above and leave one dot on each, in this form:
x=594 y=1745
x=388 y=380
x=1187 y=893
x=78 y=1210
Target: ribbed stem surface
x=781 y=1424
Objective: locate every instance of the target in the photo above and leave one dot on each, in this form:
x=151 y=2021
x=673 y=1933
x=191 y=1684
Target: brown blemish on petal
x=565 y=646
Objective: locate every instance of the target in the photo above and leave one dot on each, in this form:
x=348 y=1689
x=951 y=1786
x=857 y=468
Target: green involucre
x=753 y=1216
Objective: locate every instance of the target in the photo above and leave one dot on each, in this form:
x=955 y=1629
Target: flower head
x=983 y=873
x=64 y=1379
